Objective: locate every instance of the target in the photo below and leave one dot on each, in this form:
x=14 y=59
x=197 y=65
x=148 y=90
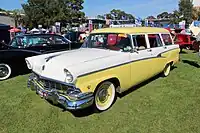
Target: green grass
x=165 y=105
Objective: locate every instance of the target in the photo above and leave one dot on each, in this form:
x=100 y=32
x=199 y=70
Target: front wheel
x=166 y=70
x=5 y=71
x=104 y=96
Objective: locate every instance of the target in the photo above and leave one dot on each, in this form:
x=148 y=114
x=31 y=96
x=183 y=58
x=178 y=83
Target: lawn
x=164 y=105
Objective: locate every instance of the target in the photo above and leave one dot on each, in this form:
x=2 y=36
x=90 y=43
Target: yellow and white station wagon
x=111 y=61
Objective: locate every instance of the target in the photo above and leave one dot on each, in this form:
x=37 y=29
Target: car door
x=157 y=48
x=60 y=43
x=140 y=59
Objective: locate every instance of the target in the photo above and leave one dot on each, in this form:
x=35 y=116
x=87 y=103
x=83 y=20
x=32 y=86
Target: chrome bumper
x=79 y=101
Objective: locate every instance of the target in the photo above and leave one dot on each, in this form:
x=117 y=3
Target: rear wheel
x=104 y=96
x=5 y=71
x=167 y=70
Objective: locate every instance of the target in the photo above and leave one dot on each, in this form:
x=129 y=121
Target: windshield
x=26 y=41
x=112 y=41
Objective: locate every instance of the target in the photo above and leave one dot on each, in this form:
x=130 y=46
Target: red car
x=185 y=41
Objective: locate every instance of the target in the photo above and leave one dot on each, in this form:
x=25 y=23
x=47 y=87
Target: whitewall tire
x=5 y=71
x=104 y=96
x=167 y=70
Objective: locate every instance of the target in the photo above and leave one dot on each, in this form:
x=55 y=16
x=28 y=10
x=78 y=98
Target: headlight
x=28 y=64
x=69 y=76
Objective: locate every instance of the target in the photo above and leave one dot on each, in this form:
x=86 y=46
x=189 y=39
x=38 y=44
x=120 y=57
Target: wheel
x=166 y=70
x=104 y=96
x=5 y=71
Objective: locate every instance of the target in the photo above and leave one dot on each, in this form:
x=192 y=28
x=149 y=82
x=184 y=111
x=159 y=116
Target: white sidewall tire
x=167 y=70
x=9 y=71
x=111 y=99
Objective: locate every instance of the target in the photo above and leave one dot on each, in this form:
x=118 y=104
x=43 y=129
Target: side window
x=167 y=39
x=154 y=40
x=139 y=42
x=14 y=43
x=60 y=40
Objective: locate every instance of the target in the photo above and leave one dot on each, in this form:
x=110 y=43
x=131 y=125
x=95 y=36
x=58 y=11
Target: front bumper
x=79 y=101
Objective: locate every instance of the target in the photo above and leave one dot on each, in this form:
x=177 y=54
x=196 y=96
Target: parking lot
x=169 y=104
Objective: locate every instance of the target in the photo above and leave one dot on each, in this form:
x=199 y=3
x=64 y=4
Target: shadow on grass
x=191 y=63
x=77 y=113
x=183 y=52
x=90 y=111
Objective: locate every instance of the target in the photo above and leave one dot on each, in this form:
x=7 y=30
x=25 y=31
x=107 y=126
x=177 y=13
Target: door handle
x=149 y=50
x=165 y=47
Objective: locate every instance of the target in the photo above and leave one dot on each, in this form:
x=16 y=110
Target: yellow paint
x=129 y=74
x=129 y=30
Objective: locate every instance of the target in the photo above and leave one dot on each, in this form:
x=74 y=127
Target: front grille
x=52 y=85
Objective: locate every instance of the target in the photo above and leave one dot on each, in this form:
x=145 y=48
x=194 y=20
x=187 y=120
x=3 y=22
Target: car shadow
x=77 y=113
x=20 y=72
x=191 y=63
x=89 y=111
x=183 y=52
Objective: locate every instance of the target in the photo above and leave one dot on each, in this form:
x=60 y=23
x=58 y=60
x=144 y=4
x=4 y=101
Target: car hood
x=78 y=62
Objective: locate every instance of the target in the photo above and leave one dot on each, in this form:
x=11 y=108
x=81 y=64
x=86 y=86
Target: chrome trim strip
x=158 y=56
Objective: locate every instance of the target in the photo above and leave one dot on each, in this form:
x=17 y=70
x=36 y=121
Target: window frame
x=159 y=34
x=147 y=44
x=170 y=38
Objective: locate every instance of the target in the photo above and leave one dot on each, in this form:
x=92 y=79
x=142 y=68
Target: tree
x=196 y=13
x=185 y=9
x=175 y=17
x=100 y=17
x=163 y=15
x=47 y=12
x=151 y=17
x=118 y=14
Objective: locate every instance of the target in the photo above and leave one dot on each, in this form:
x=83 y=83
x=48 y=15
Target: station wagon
x=111 y=61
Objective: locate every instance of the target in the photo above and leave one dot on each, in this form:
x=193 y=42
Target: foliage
x=185 y=9
x=151 y=17
x=117 y=14
x=196 y=13
x=47 y=12
x=175 y=17
x=164 y=15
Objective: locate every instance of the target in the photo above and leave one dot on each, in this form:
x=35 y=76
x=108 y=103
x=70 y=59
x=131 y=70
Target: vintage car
x=12 y=56
x=111 y=61
x=184 y=40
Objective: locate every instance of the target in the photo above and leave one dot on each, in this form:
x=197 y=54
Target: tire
x=166 y=70
x=5 y=71
x=105 y=96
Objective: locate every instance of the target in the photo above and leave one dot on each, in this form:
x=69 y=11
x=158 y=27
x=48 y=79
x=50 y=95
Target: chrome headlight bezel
x=69 y=77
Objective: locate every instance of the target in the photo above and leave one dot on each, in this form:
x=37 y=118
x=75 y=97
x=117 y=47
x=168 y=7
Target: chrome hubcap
x=103 y=95
x=3 y=71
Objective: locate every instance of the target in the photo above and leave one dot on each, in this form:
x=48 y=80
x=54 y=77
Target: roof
x=22 y=35
x=131 y=30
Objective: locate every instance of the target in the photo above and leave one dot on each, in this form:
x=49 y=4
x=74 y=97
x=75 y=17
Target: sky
x=139 y=8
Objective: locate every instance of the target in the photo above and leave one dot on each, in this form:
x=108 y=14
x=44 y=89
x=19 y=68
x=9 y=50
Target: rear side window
x=167 y=39
x=139 y=42
x=154 y=40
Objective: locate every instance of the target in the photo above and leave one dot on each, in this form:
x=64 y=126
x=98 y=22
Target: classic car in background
x=184 y=40
x=111 y=61
x=12 y=56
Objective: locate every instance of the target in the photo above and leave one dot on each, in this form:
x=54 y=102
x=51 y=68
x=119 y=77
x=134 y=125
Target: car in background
x=74 y=36
x=183 y=38
x=12 y=56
